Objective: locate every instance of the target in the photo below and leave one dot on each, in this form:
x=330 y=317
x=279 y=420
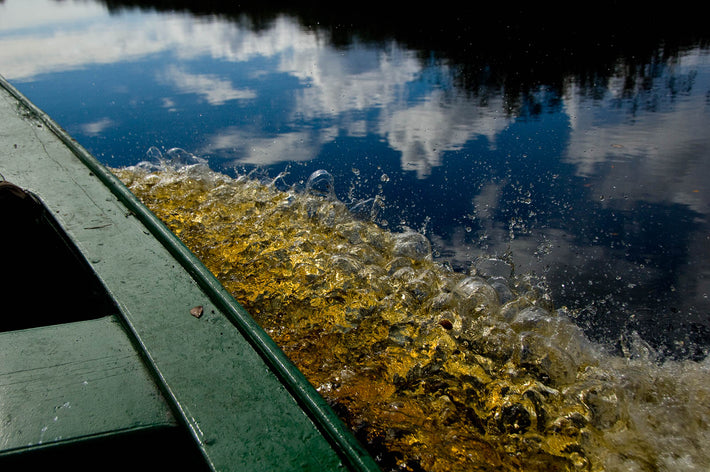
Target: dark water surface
x=578 y=149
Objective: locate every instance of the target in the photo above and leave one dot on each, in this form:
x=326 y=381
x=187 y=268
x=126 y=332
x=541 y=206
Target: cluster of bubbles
x=432 y=369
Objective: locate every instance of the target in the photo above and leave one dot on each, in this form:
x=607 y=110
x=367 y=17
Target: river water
x=574 y=155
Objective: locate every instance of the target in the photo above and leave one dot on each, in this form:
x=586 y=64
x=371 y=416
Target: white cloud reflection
x=438 y=123
x=239 y=146
x=61 y=45
x=96 y=127
x=18 y=15
x=361 y=79
x=214 y=89
x=338 y=86
x=658 y=156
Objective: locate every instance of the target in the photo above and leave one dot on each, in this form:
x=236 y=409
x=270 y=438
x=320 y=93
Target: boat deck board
x=74 y=380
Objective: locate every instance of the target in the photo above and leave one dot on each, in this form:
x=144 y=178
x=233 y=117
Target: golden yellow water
x=430 y=368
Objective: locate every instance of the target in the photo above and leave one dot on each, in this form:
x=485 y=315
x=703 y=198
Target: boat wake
x=431 y=368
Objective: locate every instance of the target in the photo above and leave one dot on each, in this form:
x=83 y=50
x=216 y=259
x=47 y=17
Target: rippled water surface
x=504 y=238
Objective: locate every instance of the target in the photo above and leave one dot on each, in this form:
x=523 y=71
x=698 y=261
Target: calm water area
x=579 y=152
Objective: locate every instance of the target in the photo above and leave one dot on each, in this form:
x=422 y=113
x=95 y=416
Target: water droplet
x=384 y=178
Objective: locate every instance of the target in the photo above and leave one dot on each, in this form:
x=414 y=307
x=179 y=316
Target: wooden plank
x=74 y=381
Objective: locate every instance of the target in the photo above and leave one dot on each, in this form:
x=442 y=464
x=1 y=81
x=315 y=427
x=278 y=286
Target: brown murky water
x=432 y=369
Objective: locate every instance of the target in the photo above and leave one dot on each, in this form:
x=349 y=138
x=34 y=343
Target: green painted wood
x=74 y=381
x=246 y=405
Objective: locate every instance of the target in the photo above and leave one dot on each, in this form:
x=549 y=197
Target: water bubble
x=321 y=183
x=412 y=245
x=493 y=267
x=364 y=209
x=345 y=264
x=502 y=288
x=532 y=318
x=549 y=363
x=634 y=347
x=179 y=157
x=420 y=289
x=476 y=294
x=154 y=160
x=279 y=183
x=397 y=263
x=154 y=155
x=384 y=178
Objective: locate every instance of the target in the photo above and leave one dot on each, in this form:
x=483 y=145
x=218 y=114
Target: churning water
x=433 y=369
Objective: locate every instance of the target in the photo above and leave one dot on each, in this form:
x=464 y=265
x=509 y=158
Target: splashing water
x=321 y=183
x=432 y=369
